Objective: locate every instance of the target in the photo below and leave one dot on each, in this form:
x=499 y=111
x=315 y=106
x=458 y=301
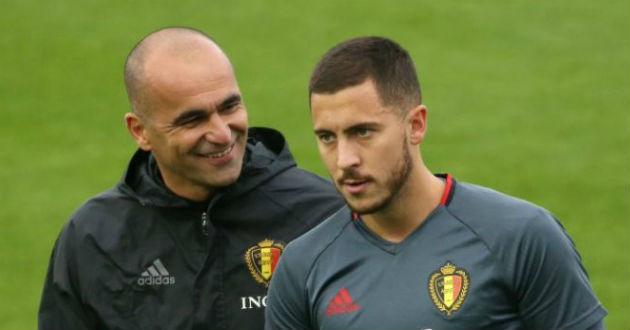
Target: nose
x=218 y=131
x=347 y=155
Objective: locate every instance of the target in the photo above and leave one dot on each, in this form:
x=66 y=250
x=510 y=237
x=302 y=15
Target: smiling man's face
x=196 y=122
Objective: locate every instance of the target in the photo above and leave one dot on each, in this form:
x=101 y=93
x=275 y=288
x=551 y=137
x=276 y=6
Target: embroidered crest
x=448 y=287
x=262 y=259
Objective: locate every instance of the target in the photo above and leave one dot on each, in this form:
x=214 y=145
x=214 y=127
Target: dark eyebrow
x=188 y=115
x=321 y=131
x=350 y=129
x=358 y=126
x=229 y=101
x=192 y=114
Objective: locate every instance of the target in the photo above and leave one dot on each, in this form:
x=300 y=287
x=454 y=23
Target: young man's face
x=197 y=123
x=363 y=144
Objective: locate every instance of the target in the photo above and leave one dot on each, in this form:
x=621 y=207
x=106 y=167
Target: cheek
x=238 y=120
x=157 y=140
x=383 y=154
x=328 y=157
x=184 y=140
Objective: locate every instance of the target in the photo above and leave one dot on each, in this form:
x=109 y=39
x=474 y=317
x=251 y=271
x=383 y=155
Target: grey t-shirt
x=481 y=260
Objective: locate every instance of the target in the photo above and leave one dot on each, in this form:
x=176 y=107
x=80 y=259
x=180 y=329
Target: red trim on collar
x=447 y=189
x=355 y=215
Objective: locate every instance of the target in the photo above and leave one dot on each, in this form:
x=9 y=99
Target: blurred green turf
x=530 y=98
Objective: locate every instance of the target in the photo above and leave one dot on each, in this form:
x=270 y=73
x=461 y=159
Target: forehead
x=199 y=74
x=349 y=106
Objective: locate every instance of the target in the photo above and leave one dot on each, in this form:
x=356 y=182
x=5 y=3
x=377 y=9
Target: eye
x=231 y=104
x=190 y=118
x=326 y=138
x=191 y=122
x=231 y=107
x=363 y=132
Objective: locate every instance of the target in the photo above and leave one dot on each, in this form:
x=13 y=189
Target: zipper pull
x=204 y=223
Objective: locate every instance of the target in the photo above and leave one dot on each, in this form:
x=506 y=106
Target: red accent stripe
x=447 y=189
x=355 y=215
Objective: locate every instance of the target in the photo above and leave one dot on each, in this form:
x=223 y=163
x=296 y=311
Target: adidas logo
x=156 y=274
x=342 y=302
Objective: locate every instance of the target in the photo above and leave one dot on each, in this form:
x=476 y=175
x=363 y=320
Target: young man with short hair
x=414 y=250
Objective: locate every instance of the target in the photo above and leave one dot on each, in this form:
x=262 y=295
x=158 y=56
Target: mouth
x=355 y=186
x=220 y=153
x=219 y=157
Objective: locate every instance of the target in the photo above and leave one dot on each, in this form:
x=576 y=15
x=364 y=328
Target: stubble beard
x=393 y=184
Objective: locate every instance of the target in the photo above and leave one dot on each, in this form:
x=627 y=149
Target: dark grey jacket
x=139 y=257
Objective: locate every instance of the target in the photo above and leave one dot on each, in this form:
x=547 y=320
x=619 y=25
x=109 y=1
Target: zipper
x=205 y=216
x=204 y=223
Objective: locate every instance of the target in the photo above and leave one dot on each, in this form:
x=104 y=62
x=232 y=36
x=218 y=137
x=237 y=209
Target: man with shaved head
x=190 y=237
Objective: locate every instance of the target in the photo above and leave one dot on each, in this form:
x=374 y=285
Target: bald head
x=182 y=45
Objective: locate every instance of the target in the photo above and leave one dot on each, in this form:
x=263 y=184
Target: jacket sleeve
x=61 y=304
x=287 y=302
x=550 y=281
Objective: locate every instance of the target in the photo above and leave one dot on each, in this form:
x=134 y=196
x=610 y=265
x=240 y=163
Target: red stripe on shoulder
x=447 y=189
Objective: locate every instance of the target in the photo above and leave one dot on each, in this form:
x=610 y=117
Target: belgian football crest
x=262 y=260
x=448 y=287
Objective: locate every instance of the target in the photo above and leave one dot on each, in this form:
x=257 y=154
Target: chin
x=365 y=207
x=225 y=179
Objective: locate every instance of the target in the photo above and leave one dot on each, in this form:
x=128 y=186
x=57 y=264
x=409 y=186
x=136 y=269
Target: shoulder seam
x=485 y=243
x=319 y=254
x=303 y=280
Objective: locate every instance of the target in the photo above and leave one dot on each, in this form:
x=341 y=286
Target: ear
x=417 y=123
x=137 y=128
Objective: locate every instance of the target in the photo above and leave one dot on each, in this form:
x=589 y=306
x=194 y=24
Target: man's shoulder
x=301 y=190
x=476 y=203
x=105 y=199
x=296 y=177
x=101 y=210
x=496 y=216
x=306 y=249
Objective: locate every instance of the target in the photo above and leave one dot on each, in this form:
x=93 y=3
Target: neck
x=419 y=196
x=197 y=193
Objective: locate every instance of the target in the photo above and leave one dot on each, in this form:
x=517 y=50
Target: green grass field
x=528 y=97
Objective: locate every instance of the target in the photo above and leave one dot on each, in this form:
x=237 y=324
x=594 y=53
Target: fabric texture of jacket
x=140 y=257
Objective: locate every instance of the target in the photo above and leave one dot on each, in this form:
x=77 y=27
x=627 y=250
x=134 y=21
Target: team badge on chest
x=448 y=287
x=262 y=259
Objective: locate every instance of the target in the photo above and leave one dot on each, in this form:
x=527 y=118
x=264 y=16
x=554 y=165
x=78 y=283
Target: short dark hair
x=352 y=62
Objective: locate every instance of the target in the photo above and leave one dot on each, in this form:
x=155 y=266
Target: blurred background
x=527 y=97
